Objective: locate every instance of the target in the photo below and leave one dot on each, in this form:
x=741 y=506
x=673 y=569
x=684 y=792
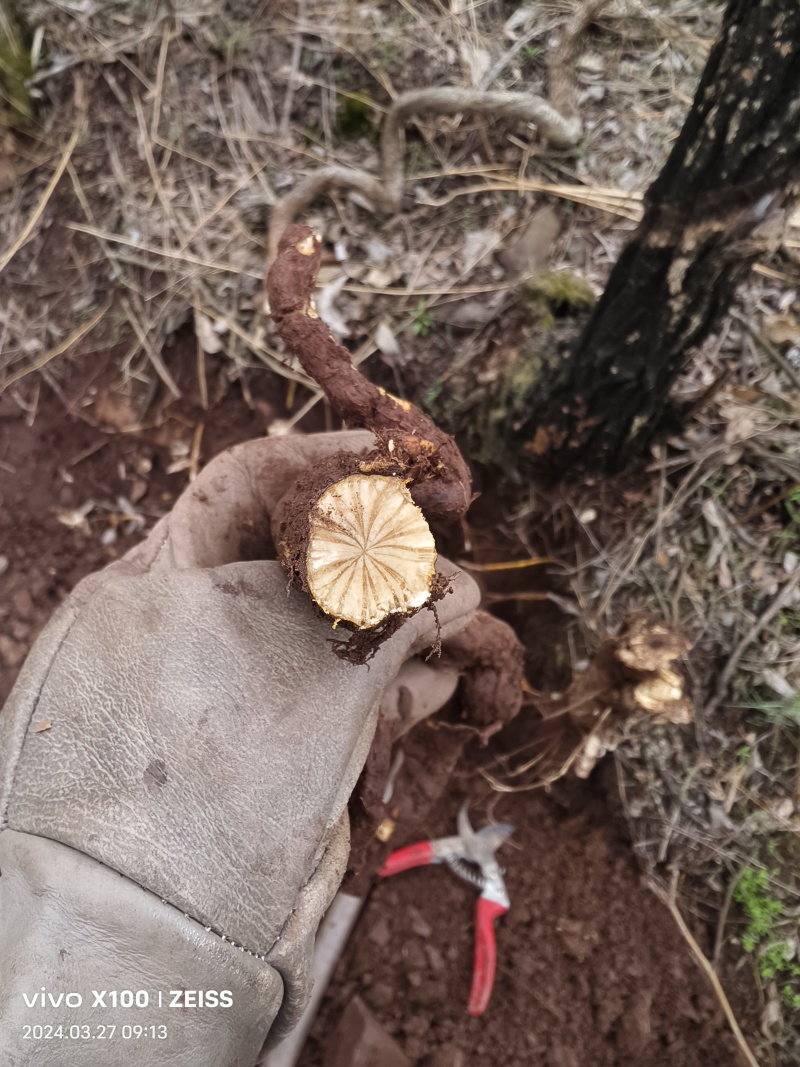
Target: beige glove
x=175 y=762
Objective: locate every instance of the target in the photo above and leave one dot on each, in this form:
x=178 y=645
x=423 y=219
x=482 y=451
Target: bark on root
x=440 y=479
x=557 y=119
x=409 y=444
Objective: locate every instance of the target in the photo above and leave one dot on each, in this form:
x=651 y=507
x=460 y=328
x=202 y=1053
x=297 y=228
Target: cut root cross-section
x=370 y=551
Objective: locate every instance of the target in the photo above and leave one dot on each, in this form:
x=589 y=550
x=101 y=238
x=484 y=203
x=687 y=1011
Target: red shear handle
x=419 y=855
x=486 y=911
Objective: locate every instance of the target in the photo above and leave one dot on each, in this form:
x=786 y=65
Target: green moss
x=558 y=293
x=765 y=933
x=502 y=398
x=355 y=117
x=761 y=909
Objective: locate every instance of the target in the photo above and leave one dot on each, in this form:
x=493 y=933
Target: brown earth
x=591 y=968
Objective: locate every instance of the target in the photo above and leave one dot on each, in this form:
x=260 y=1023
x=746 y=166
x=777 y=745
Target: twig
x=719 y=937
x=167 y=253
x=153 y=354
x=297 y=49
x=701 y=958
x=27 y=230
x=778 y=358
x=63 y=346
x=780 y=602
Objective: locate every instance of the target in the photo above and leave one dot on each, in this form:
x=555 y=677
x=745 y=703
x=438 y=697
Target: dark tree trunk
x=718 y=205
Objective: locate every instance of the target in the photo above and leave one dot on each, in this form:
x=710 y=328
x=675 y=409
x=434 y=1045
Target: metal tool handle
x=403 y=859
x=486 y=911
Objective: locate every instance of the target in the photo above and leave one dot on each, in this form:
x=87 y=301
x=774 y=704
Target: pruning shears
x=470 y=855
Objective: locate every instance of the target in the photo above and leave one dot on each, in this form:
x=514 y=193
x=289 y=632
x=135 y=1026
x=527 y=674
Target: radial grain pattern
x=370 y=551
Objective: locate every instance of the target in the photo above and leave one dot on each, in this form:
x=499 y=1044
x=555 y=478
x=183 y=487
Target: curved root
x=409 y=441
x=557 y=119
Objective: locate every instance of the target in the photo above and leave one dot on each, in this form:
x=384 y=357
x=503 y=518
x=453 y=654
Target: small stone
x=416 y=1026
x=11 y=652
x=3 y=563
x=531 y=249
x=22 y=602
x=138 y=490
x=561 y=1056
x=381 y=995
x=20 y=631
x=361 y=1041
x=414 y=955
x=433 y=991
x=420 y=926
x=635 y=1029
x=783 y=809
x=380 y=934
x=435 y=959
x=448 y=1055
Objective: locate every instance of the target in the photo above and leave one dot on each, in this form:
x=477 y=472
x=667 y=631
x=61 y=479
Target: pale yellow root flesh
x=370 y=552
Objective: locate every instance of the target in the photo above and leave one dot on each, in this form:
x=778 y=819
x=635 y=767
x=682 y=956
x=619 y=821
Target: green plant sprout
x=792 y=505
x=774 y=954
x=422 y=319
x=743 y=754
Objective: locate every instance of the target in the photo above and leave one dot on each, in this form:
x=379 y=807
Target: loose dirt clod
x=353 y=532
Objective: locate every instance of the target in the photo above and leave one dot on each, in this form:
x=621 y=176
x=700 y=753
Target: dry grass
x=164 y=135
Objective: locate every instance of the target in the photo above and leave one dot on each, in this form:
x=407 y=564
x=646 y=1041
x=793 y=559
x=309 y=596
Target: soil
x=591 y=968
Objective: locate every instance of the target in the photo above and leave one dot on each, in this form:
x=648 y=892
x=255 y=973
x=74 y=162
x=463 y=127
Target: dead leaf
x=741 y=426
x=469 y=312
x=386 y=340
x=326 y=306
x=118 y=407
x=208 y=337
x=478 y=244
x=540 y=443
x=531 y=250
x=782 y=329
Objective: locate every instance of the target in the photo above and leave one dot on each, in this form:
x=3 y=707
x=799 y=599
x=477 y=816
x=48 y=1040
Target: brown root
x=631 y=678
x=490 y=659
x=557 y=119
x=410 y=448
x=440 y=481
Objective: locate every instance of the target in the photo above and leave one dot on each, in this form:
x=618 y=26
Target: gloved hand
x=175 y=763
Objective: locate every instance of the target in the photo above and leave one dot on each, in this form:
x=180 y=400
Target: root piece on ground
x=352 y=532
x=557 y=119
x=370 y=551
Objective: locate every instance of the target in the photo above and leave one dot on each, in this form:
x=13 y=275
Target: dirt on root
x=590 y=966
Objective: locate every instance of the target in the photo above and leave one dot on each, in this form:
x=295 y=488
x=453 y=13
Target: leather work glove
x=175 y=763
